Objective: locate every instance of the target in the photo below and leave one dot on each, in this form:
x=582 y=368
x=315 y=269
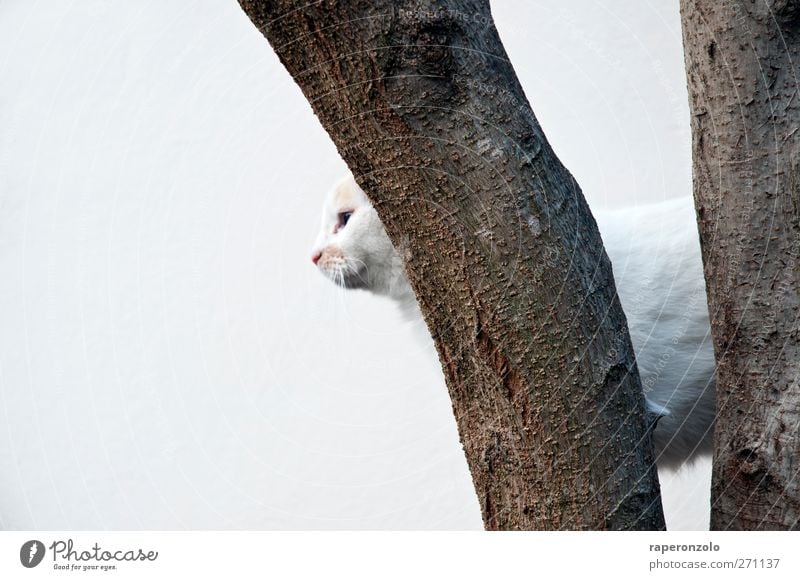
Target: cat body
x=655 y=254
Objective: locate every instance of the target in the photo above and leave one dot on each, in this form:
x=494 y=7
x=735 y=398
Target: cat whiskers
x=352 y=265
x=338 y=275
x=340 y=305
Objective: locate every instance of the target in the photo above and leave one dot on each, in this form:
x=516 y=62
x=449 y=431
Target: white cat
x=655 y=253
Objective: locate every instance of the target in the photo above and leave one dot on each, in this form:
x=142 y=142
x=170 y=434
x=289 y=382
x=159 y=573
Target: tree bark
x=741 y=62
x=499 y=245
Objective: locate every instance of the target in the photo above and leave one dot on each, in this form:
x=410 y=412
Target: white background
x=169 y=358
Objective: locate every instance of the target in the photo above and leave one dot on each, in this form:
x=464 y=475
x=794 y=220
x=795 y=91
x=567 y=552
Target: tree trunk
x=741 y=61
x=499 y=245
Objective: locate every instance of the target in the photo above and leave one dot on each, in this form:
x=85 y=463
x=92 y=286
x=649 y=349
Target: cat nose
x=315 y=257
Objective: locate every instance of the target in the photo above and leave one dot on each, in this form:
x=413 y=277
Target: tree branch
x=501 y=249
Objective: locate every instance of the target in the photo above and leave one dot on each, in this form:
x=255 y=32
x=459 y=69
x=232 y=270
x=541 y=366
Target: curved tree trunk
x=742 y=66
x=499 y=245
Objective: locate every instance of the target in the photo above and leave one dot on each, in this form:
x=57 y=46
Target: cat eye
x=344 y=217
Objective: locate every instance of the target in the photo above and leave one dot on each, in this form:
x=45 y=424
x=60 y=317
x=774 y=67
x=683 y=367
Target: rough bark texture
x=500 y=247
x=741 y=60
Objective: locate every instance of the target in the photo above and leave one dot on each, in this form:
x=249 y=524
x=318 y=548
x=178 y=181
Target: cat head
x=352 y=248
